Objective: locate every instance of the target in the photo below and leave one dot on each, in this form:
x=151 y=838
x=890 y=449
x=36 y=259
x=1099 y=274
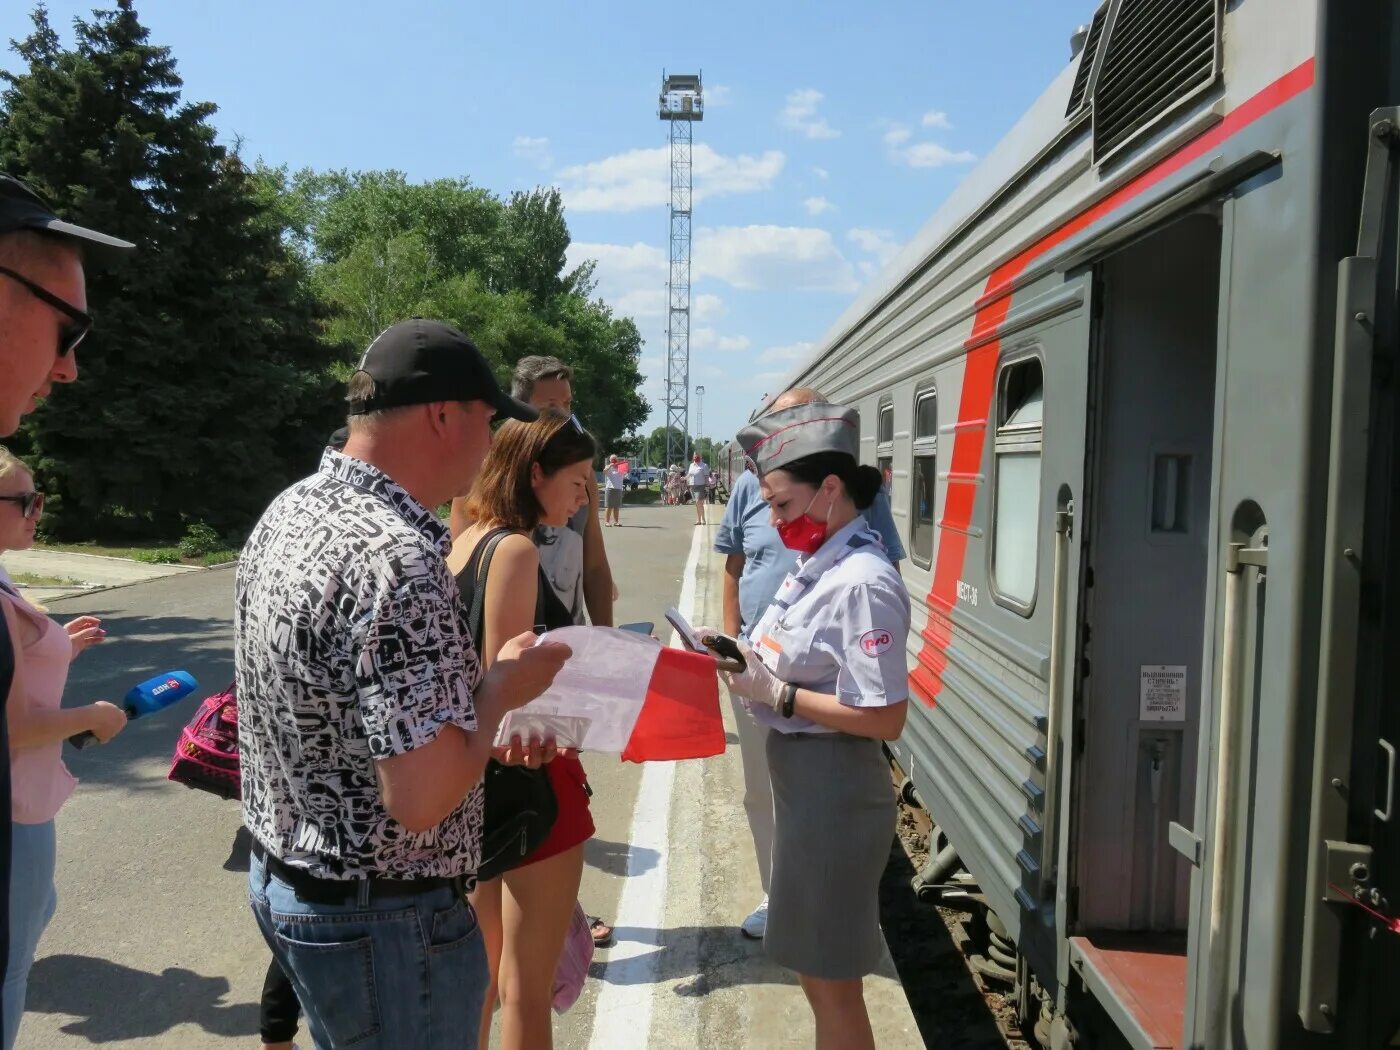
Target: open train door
x=1350 y=959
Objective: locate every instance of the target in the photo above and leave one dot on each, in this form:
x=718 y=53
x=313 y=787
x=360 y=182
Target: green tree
x=384 y=249
x=205 y=386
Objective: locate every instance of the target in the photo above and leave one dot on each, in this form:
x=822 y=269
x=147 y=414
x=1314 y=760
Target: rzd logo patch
x=875 y=643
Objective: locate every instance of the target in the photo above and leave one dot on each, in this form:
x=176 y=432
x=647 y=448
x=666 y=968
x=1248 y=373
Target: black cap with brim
x=23 y=209
x=417 y=362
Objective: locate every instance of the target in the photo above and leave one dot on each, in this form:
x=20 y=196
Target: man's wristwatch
x=789 y=698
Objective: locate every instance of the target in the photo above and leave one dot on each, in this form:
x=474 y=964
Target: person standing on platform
x=536 y=472
x=572 y=557
x=827 y=674
x=613 y=481
x=365 y=720
x=697 y=478
x=43 y=318
x=755 y=564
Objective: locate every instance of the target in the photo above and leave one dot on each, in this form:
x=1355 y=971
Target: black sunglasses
x=30 y=503
x=70 y=335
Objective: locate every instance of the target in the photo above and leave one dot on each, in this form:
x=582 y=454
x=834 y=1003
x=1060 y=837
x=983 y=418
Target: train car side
x=1100 y=395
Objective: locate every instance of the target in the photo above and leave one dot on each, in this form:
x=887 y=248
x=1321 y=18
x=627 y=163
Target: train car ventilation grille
x=1079 y=96
x=1158 y=54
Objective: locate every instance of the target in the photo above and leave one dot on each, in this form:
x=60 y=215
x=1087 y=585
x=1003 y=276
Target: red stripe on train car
x=979 y=378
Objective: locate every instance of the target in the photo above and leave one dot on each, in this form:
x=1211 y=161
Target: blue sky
x=832 y=131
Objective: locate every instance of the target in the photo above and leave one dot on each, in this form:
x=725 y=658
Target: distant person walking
x=365 y=719
x=38 y=726
x=43 y=318
x=697 y=477
x=613 y=480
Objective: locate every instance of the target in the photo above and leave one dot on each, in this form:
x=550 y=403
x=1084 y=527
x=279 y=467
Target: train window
x=925 y=477
x=884 y=442
x=1016 y=506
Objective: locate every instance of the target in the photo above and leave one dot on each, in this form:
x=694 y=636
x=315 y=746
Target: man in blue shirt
x=755 y=565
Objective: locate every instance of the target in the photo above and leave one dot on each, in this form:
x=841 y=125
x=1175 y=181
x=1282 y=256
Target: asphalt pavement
x=153 y=945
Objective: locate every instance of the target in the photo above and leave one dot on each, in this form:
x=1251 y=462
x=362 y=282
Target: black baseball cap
x=23 y=209
x=416 y=362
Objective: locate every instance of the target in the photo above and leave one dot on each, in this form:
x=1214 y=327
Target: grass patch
x=641 y=498
x=132 y=552
x=159 y=556
x=222 y=557
x=31 y=579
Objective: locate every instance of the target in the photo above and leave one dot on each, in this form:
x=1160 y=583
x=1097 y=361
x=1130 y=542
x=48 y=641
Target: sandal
x=602 y=932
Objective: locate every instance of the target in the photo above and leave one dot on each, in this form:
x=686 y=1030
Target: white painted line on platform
x=622 y=1014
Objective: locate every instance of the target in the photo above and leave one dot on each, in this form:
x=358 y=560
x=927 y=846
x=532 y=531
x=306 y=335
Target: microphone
x=152 y=695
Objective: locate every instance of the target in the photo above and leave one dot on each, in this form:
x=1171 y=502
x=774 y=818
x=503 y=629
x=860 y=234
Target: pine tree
x=204 y=387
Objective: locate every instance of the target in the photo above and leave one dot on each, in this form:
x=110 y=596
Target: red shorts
x=574 y=824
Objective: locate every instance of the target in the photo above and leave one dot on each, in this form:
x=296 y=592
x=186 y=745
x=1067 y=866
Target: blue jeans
x=32 y=902
x=398 y=972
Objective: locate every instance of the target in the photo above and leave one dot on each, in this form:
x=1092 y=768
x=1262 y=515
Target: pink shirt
x=40 y=782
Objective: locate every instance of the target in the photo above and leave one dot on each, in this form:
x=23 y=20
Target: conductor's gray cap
x=780 y=438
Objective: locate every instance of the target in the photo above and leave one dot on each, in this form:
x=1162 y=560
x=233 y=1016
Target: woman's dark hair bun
x=864 y=486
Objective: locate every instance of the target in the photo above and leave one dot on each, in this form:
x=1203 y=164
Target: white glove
x=755 y=682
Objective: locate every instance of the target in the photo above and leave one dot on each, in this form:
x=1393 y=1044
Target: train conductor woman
x=827 y=675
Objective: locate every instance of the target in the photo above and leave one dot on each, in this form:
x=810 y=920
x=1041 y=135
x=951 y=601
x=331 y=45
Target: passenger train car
x=1133 y=385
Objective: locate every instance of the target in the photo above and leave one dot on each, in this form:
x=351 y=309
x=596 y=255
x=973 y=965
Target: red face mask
x=804 y=533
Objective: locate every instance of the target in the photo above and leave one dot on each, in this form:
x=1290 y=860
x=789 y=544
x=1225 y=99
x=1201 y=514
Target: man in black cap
x=365 y=721
x=43 y=318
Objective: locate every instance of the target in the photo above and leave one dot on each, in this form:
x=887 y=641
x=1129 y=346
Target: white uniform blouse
x=838 y=625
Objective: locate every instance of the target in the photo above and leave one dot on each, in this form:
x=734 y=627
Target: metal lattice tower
x=681 y=105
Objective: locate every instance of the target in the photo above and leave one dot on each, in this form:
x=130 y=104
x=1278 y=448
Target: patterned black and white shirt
x=350 y=646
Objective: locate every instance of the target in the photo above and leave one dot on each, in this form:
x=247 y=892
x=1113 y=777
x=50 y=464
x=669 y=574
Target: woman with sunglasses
x=536 y=474
x=38 y=726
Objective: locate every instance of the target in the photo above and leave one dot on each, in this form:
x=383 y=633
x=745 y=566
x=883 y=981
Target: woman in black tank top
x=536 y=474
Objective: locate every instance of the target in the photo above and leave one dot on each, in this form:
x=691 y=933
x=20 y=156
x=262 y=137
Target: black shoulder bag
x=520 y=807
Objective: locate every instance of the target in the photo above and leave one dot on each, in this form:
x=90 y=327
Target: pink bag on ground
x=574 y=960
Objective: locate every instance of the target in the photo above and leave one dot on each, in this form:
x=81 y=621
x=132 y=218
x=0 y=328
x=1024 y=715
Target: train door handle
x=1383 y=815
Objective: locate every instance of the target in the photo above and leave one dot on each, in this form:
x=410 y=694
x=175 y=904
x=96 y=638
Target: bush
x=218 y=558
x=200 y=540
x=158 y=556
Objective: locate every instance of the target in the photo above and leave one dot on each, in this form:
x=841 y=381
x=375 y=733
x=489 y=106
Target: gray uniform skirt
x=834 y=808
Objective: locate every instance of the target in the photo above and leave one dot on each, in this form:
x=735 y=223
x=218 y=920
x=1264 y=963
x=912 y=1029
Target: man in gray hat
x=43 y=318
x=755 y=565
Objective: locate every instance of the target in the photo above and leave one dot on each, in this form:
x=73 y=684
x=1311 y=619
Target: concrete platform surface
x=153 y=945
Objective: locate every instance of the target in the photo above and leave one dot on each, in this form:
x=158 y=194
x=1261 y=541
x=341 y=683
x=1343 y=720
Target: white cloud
x=707 y=307
x=936 y=118
x=821 y=173
x=787 y=355
x=879 y=243
x=641 y=178
x=800 y=115
x=931 y=155
x=534 y=150
x=708 y=339
x=897 y=135
x=718 y=95
x=773 y=258
x=817 y=205
x=640 y=303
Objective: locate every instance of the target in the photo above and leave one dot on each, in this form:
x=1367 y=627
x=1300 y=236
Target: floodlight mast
x=682 y=103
